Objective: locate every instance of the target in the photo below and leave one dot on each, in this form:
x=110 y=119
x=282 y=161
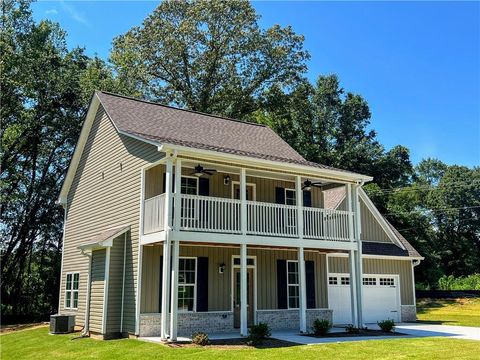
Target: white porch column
x=174 y=292
x=301 y=260
x=243 y=291
x=177 y=200
x=358 y=253
x=243 y=199
x=166 y=248
x=353 y=286
x=351 y=229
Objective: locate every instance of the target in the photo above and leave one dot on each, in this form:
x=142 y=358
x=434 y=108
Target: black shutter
x=202 y=284
x=310 y=283
x=160 y=285
x=307 y=198
x=280 y=195
x=282 y=284
x=164 y=185
x=203 y=186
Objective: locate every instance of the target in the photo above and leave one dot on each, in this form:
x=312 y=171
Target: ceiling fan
x=307 y=185
x=199 y=171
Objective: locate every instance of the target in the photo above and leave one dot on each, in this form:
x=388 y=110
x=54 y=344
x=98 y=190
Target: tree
x=45 y=91
x=208 y=56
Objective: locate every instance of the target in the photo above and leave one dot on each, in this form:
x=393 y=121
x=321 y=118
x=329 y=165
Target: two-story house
x=178 y=221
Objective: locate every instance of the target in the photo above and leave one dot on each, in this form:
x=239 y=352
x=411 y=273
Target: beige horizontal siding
x=97 y=290
x=105 y=193
x=220 y=285
x=115 y=285
x=403 y=268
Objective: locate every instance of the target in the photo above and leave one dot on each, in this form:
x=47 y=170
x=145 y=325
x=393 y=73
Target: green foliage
x=352 y=329
x=200 y=338
x=321 y=327
x=259 y=332
x=470 y=282
x=208 y=56
x=386 y=325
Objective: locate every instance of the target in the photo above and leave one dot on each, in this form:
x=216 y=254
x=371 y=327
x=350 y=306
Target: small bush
x=200 y=338
x=351 y=329
x=258 y=333
x=321 y=327
x=471 y=282
x=386 y=325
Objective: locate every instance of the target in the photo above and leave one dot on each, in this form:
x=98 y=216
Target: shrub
x=387 y=325
x=200 y=338
x=351 y=329
x=258 y=333
x=321 y=327
x=470 y=282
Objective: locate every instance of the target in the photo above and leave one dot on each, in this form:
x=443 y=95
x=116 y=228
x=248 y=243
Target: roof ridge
x=177 y=108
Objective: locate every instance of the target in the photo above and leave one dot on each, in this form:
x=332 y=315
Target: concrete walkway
x=410 y=329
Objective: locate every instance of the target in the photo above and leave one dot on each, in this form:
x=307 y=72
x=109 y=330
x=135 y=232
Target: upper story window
x=293 y=287
x=71 y=290
x=189 y=185
x=290 y=197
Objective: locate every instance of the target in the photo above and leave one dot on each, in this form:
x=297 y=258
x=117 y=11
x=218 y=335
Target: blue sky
x=416 y=63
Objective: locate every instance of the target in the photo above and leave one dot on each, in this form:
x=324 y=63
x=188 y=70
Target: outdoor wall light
x=226 y=180
x=221 y=268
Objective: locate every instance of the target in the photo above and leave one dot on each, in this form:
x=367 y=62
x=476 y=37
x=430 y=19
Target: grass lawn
x=464 y=312
x=38 y=344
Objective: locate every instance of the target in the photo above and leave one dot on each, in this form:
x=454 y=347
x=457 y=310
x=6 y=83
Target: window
x=189 y=185
x=370 y=281
x=71 y=290
x=250 y=261
x=186 y=283
x=345 y=280
x=292 y=285
x=332 y=280
x=387 y=282
x=290 y=197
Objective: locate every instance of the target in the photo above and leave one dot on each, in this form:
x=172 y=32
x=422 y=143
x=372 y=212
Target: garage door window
x=387 y=282
x=345 y=280
x=332 y=280
x=370 y=281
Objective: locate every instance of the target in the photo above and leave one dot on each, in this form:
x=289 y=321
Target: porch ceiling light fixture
x=307 y=185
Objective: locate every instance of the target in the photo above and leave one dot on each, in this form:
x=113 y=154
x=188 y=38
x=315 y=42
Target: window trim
x=71 y=290
x=289 y=285
x=194 y=309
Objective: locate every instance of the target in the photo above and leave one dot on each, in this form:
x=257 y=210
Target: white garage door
x=381 y=298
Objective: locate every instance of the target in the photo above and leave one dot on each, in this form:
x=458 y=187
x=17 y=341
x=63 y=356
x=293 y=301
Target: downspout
x=86 y=326
x=415 y=262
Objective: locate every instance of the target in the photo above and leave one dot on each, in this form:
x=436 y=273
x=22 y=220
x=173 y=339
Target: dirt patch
x=17 y=327
x=365 y=332
x=235 y=344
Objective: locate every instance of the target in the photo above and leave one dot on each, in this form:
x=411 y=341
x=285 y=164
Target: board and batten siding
x=105 y=193
x=97 y=290
x=265 y=188
x=403 y=268
x=220 y=285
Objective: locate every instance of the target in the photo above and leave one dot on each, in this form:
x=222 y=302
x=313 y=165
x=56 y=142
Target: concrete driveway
x=410 y=329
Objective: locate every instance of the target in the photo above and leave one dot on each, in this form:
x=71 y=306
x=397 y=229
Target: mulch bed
x=237 y=344
x=364 y=332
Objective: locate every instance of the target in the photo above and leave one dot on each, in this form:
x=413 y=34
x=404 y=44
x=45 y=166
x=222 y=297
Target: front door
x=250 y=191
x=236 y=297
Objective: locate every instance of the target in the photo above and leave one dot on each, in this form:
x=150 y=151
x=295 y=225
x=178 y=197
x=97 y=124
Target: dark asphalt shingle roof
x=166 y=124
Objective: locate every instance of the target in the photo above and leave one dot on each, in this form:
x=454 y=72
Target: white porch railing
x=154 y=215
x=325 y=224
x=210 y=214
x=222 y=215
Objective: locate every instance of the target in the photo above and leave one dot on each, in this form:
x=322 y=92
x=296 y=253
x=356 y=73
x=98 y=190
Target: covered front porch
x=225 y=288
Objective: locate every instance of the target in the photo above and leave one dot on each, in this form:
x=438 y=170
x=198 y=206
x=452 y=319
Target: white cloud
x=51 y=12
x=75 y=14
